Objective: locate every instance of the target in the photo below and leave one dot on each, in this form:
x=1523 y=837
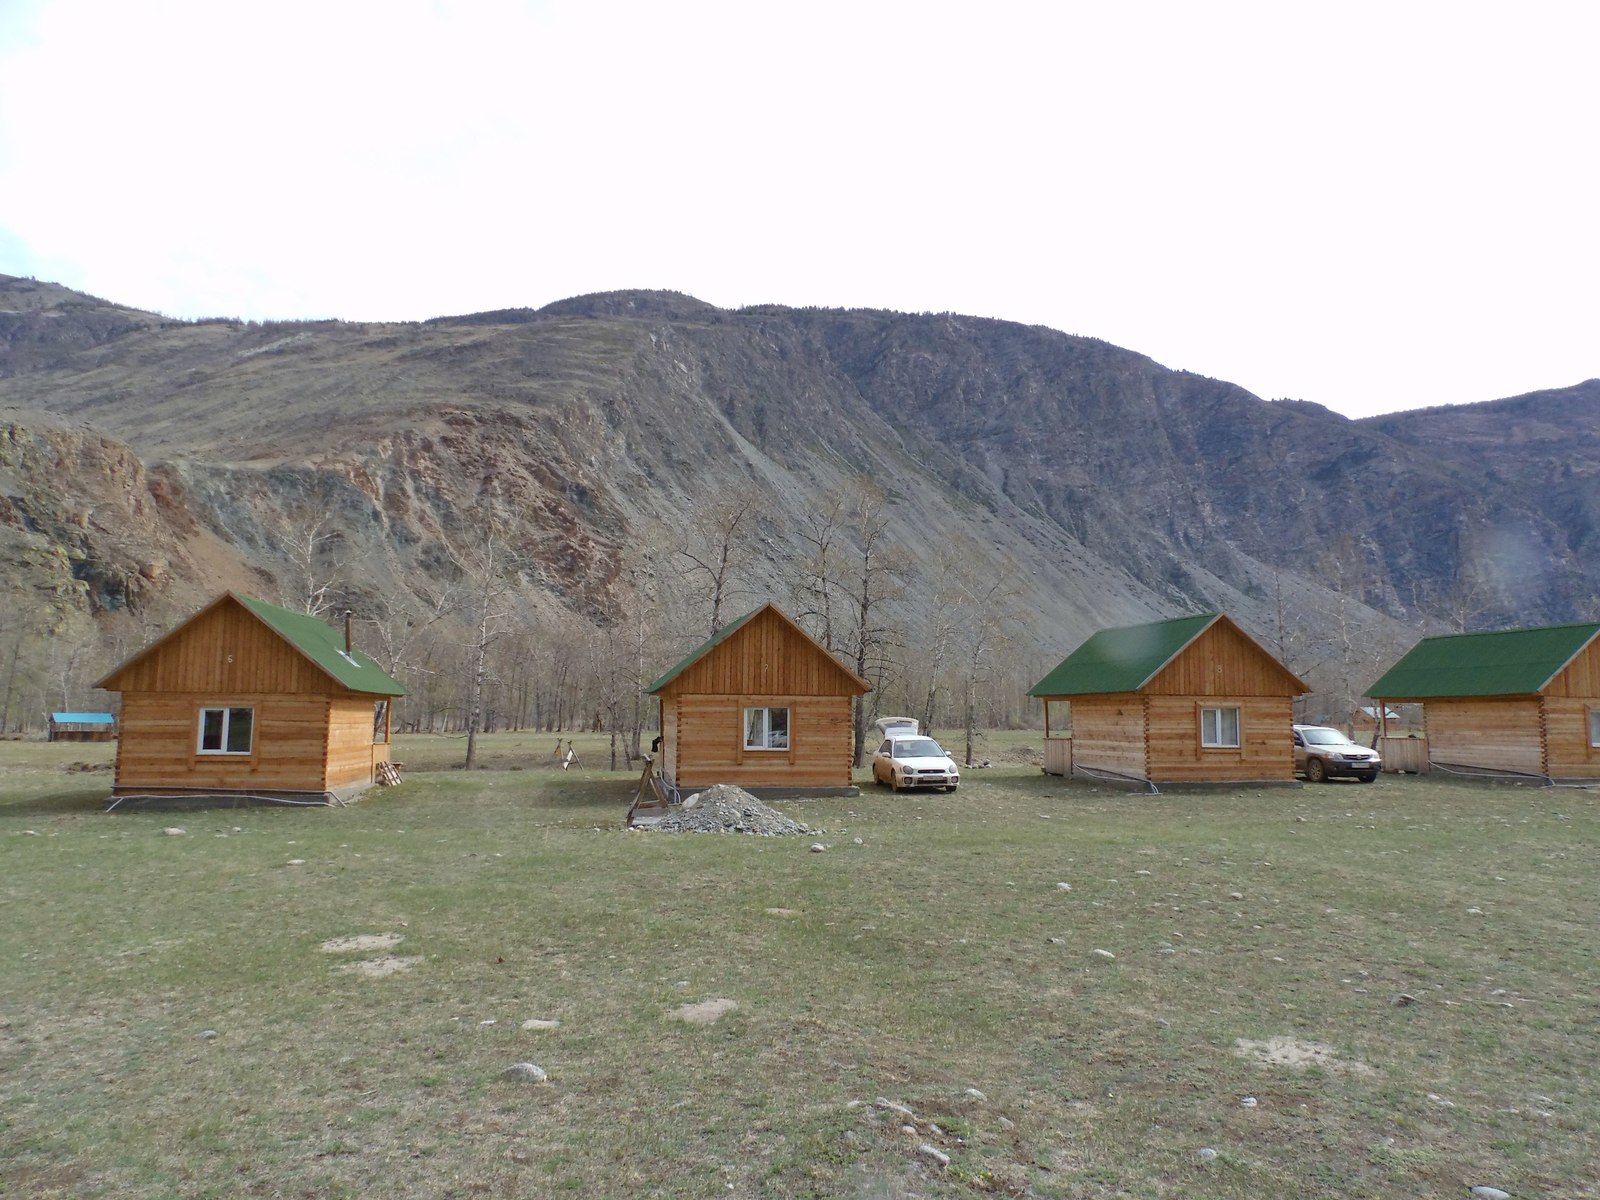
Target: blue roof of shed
x=82 y=718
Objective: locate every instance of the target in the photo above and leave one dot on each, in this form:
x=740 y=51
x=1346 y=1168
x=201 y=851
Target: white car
x=913 y=762
x=889 y=727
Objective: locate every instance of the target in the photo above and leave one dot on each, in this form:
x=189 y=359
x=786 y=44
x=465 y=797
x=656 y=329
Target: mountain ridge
x=1115 y=489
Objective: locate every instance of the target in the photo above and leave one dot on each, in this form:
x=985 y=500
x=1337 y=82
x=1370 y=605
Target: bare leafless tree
x=817 y=572
x=981 y=595
x=876 y=575
x=489 y=577
x=310 y=542
x=718 y=542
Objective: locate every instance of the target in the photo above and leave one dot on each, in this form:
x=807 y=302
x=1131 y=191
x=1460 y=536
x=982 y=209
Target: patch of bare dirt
x=1295 y=1053
x=377 y=968
x=707 y=1012
x=362 y=941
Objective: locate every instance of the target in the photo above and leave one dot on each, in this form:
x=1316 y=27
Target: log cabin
x=1194 y=700
x=763 y=705
x=246 y=699
x=1513 y=701
x=82 y=727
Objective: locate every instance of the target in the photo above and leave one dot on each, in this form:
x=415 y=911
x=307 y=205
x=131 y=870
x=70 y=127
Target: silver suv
x=1321 y=754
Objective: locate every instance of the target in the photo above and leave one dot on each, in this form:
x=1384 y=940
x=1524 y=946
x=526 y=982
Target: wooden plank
x=1494 y=734
x=1221 y=662
x=1404 y=754
x=1568 y=752
x=225 y=650
x=767 y=656
x=1058 y=756
x=1108 y=734
x=708 y=746
x=1580 y=679
x=1265 y=750
x=161 y=733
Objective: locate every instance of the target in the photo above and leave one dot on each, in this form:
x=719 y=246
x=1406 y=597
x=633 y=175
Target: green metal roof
x=1121 y=660
x=1509 y=662
x=324 y=645
x=715 y=640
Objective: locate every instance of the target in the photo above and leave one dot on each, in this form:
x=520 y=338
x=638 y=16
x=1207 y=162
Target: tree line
x=480 y=645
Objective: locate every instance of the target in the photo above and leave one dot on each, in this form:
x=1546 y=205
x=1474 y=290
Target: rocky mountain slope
x=141 y=456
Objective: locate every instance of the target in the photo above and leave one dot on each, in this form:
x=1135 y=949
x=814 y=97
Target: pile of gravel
x=724 y=808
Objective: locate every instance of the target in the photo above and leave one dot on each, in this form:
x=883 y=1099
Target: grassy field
x=171 y=1024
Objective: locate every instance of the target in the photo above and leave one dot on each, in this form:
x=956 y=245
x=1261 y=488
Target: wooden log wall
x=1495 y=734
x=160 y=740
x=1108 y=734
x=353 y=757
x=668 y=766
x=710 y=743
x=1265 y=750
x=1568 y=754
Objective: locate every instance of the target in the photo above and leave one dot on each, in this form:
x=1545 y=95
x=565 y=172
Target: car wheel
x=950 y=788
x=1316 y=771
x=1367 y=778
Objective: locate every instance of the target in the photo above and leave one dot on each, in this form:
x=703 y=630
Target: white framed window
x=226 y=730
x=1594 y=727
x=766 y=729
x=1219 y=728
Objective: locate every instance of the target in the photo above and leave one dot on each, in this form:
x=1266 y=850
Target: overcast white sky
x=1369 y=205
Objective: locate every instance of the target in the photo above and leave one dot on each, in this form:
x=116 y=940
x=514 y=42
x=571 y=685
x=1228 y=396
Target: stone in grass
x=934 y=1153
x=1207 y=1154
x=817 y=847
x=541 y=1023
x=525 y=1072
x=206 y=1035
x=1063 y=887
x=1484 y=1192
x=1105 y=954
x=173 y=831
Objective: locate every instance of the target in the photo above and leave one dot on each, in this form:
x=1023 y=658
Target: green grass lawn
x=937 y=963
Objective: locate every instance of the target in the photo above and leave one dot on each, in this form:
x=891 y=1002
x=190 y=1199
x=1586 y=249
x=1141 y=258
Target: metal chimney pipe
x=349 y=645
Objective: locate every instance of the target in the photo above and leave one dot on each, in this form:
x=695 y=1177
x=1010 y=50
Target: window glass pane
x=1219 y=727
x=778 y=728
x=239 y=722
x=1594 y=727
x=211 y=728
x=755 y=728
x=380 y=721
